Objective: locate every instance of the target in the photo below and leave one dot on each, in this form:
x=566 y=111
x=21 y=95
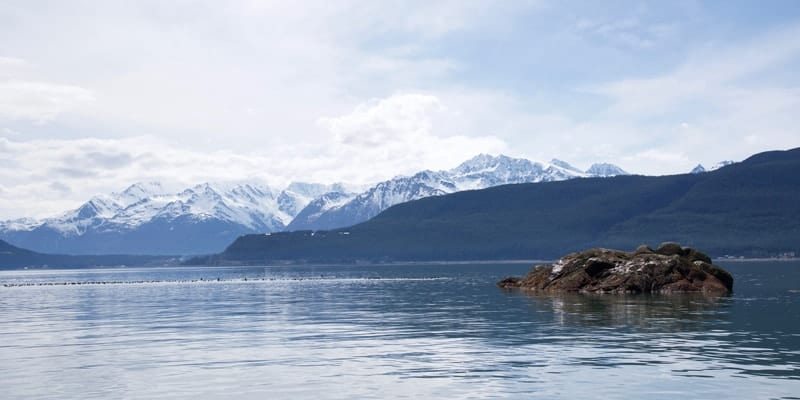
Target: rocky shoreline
x=670 y=268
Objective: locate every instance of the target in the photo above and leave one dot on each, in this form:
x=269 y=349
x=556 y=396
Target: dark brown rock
x=509 y=282
x=669 y=249
x=695 y=255
x=669 y=269
x=644 y=249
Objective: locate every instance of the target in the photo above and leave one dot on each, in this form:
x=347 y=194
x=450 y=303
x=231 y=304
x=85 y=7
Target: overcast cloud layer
x=97 y=95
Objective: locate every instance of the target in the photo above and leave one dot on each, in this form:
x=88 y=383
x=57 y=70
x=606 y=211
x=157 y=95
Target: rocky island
x=670 y=268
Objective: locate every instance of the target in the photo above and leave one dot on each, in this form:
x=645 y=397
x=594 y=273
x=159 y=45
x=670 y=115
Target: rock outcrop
x=668 y=269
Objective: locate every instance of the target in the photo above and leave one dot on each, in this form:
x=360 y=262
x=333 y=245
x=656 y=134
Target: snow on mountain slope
x=721 y=164
x=251 y=205
x=485 y=171
x=309 y=217
x=565 y=165
x=147 y=218
x=299 y=194
x=19 y=224
x=699 y=169
x=138 y=192
x=605 y=170
x=233 y=209
x=480 y=172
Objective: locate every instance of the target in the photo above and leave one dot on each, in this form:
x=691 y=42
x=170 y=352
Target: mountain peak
x=486 y=163
x=137 y=192
x=564 y=165
x=312 y=190
x=484 y=158
x=149 y=188
x=721 y=164
x=231 y=208
x=480 y=159
x=699 y=169
x=605 y=170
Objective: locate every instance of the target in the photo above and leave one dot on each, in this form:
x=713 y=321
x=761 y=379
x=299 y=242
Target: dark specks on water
x=421 y=331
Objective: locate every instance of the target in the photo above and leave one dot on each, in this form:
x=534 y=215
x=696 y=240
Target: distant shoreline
x=532 y=262
x=787 y=259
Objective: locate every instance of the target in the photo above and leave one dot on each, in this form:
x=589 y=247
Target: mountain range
x=699 y=169
x=483 y=171
x=147 y=219
x=749 y=208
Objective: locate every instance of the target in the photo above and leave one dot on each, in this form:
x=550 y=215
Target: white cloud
x=709 y=76
x=8 y=132
x=675 y=159
x=198 y=91
x=710 y=106
x=11 y=63
x=31 y=100
x=375 y=141
x=39 y=101
x=628 y=32
x=50 y=176
x=400 y=118
x=397 y=135
x=183 y=70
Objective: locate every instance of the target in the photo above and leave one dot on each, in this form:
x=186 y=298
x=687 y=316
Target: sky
x=97 y=95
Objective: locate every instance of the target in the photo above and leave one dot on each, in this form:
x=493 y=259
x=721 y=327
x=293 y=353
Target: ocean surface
x=400 y=331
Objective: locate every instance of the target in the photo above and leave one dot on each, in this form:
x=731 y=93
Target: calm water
x=421 y=331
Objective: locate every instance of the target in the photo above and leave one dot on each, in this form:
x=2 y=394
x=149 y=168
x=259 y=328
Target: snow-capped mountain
x=314 y=214
x=299 y=194
x=605 y=170
x=699 y=169
x=480 y=172
x=565 y=165
x=145 y=218
x=339 y=211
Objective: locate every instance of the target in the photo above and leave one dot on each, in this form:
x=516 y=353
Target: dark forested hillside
x=12 y=257
x=751 y=208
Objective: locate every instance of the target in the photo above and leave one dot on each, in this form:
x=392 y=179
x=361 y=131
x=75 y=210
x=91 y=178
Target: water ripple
x=378 y=332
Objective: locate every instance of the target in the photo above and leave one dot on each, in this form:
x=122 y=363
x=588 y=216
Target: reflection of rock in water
x=669 y=269
x=666 y=312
